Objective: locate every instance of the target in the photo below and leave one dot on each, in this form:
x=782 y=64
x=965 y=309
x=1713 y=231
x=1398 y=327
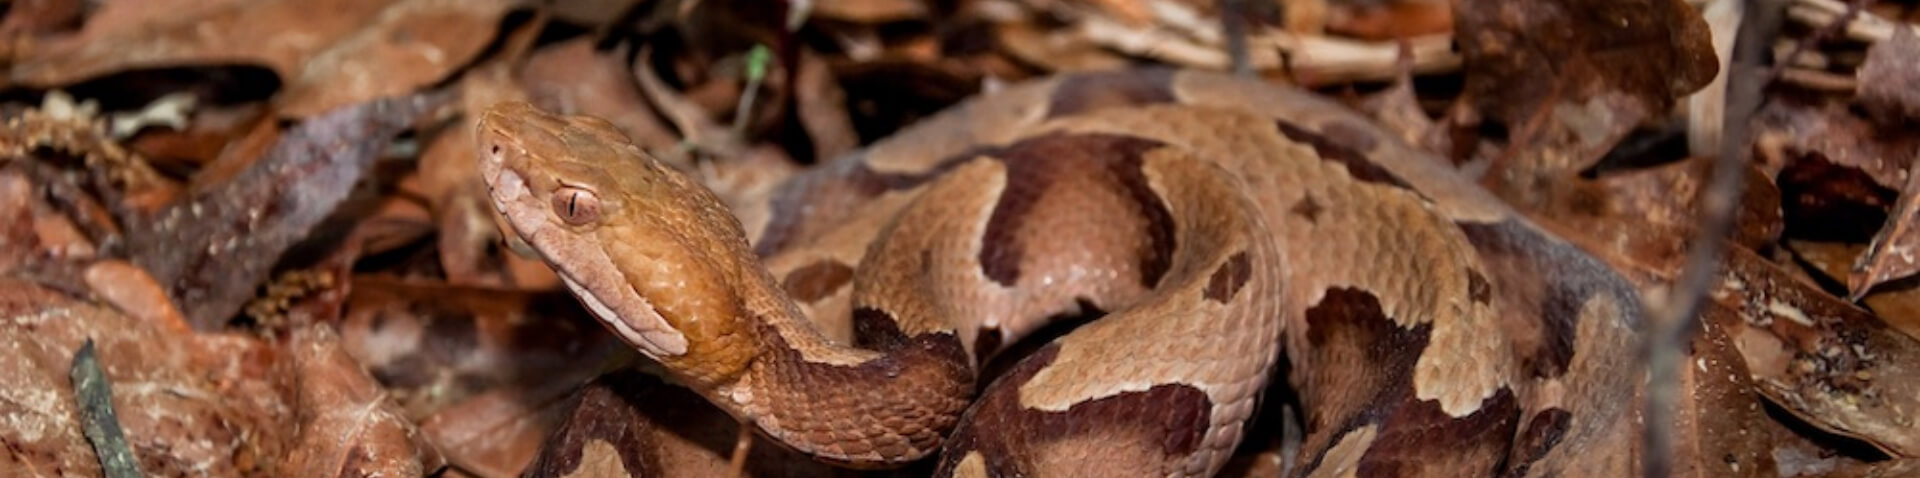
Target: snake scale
x=1220 y=224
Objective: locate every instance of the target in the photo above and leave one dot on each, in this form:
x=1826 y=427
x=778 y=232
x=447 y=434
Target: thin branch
x=99 y=422
x=1233 y=25
x=1673 y=325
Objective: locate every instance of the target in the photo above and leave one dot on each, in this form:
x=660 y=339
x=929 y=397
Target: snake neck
x=833 y=400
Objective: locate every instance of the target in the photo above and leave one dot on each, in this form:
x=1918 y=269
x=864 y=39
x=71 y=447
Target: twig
x=742 y=444
x=1673 y=323
x=1233 y=25
x=757 y=60
x=1324 y=57
x=1819 y=36
x=99 y=422
x=1867 y=27
x=1819 y=80
x=797 y=11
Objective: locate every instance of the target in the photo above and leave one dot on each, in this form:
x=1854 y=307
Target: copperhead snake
x=1218 y=222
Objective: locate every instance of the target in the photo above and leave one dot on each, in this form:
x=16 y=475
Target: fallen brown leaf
x=1722 y=425
x=1821 y=358
x=178 y=414
x=1891 y=254
x=1569 y=78
x=1897 y=303
x=432 y=345
x=573 y=77
x=353 y=51
x=345 y=425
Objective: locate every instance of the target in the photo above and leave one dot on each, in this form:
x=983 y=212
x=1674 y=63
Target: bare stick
x=1673 y=324
x=98 y=420
x=1233 y=25
x=741 y=445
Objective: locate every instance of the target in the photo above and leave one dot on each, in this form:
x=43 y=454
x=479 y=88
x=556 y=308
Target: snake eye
x=576 y=206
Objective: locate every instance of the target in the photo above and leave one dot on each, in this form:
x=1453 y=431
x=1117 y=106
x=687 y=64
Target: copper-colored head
x=627 y=234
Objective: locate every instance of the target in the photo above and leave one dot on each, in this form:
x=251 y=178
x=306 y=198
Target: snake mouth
x=586 y=268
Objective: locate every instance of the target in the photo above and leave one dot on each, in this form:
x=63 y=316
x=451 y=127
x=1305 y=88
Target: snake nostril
x=496 y=150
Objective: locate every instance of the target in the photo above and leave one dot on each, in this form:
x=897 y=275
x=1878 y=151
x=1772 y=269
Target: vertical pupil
x=571 y=200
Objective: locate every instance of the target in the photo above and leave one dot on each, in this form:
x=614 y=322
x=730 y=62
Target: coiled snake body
x=1219 y=222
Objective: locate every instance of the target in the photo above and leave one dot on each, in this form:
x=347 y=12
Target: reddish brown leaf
x=1569 y=78
x=433 y=345
x=354 y=51
x=178 y=410
x=136 y=294
x=40 y=16
x=1646 y=217
x=346 y=425
x=1722 y=425
x=573 y=78
x=869 y=11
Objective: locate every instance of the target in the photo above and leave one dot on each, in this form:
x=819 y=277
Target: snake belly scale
x=1221 y=225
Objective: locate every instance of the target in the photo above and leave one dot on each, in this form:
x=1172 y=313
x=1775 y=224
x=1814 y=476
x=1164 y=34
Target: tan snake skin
x=1219 y=222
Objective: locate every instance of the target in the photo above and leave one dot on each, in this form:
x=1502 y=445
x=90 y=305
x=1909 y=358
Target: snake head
x=653 y=255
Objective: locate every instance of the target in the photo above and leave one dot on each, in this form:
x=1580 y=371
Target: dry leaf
x=1569 y=78
x=1820 y=358
x=1722 y=427
x=345 y=424
x=1646 y=218
x=1891 y=254
x=822 y=108
x=572 y=77
x=1897 y=304
x=432 y=345
x=32 y=17
x=350 y=52
x=177 y=407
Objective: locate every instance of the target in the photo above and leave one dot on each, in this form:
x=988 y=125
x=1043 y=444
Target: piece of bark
x=216 y=247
